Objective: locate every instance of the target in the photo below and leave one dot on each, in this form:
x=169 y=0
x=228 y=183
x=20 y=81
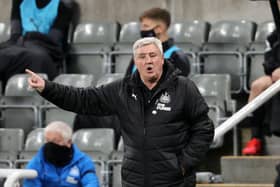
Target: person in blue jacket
x=59 y=163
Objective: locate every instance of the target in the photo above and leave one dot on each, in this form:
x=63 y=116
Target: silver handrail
x=13 y=175
x=246 y=110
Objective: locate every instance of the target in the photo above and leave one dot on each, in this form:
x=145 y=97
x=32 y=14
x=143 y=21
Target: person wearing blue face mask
x=155 y=23
x=60 y=163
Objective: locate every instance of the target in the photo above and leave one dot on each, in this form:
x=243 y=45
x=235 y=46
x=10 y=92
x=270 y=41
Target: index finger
x=30 y=72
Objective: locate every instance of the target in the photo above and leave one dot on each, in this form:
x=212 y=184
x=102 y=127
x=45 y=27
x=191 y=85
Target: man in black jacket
x=37 y=38
x=164 y=122
x=155 y=23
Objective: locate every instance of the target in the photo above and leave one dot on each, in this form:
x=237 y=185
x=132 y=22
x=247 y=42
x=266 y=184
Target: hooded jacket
x=165 y=136
x=80 y=172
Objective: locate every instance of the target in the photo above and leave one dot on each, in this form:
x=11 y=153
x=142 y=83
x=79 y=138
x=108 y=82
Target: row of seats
x=21 y=107
x=224 y=47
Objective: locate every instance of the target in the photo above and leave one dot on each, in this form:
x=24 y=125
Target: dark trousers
x=15 y=59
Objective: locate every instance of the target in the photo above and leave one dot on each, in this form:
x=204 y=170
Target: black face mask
x=148 y=33
x=57 y=155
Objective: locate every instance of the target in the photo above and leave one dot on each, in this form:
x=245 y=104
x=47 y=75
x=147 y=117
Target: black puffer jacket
x=170 y=132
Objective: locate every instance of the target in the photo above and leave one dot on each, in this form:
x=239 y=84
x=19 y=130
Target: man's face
x=149 y=62
x=56 y=138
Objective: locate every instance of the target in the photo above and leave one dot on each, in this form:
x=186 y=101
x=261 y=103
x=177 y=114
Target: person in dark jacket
x=155 y=23
x=60 y=163
x=38 y=31
x=164 y=119
x=272 y=74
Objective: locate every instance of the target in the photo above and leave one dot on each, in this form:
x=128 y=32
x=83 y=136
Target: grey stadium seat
x=122 y=54
x=91 y=43
x=228 y=40
x=11 y=143
x=35 y=139
x=189 y=36
x=215 y=88
x=254 y=57
x=4 y=31
x=98 y=144
x=50 y=112
x=19 y=105
x=108 y=78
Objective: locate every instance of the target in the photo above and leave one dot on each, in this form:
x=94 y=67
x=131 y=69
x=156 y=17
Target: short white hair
x=146 y=41
x=61 y=128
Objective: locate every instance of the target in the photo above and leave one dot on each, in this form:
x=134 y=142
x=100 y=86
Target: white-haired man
x=60 y=163
x=164 y=122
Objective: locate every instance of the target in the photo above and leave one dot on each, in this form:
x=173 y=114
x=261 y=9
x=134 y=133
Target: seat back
x=19 y=105
x=232 y=38
x=98 y=36
x=130 y=32
x=95 y=140
x=227 y=31
x=264 y=30
x=4 y=31
x=122 y=54
x=51 y=113
x=108 y=78
x=195 y=32
x=75 y=80
x=35 y=139
x=91 y=43
x=215 y=88
x=11 y=143
x=17 y=85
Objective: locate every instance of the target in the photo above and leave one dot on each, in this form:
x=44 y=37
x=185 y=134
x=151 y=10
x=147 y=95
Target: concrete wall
x=128 y=10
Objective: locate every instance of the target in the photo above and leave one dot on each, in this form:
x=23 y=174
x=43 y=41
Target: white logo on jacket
x=74 y=175
x=163 y=100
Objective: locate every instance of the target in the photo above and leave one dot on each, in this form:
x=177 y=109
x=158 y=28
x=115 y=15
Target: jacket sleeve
x=98 y=101
x=201 y=128
x=89 y=177
x=33 y=164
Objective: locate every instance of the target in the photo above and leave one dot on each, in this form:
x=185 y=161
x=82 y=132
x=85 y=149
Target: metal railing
x=13 y=175
x=246 y=110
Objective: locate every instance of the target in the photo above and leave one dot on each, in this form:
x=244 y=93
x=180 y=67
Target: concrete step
x=249 y=169
x=234 y=185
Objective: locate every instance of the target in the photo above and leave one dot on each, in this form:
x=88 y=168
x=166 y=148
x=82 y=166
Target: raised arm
x=98 y=101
